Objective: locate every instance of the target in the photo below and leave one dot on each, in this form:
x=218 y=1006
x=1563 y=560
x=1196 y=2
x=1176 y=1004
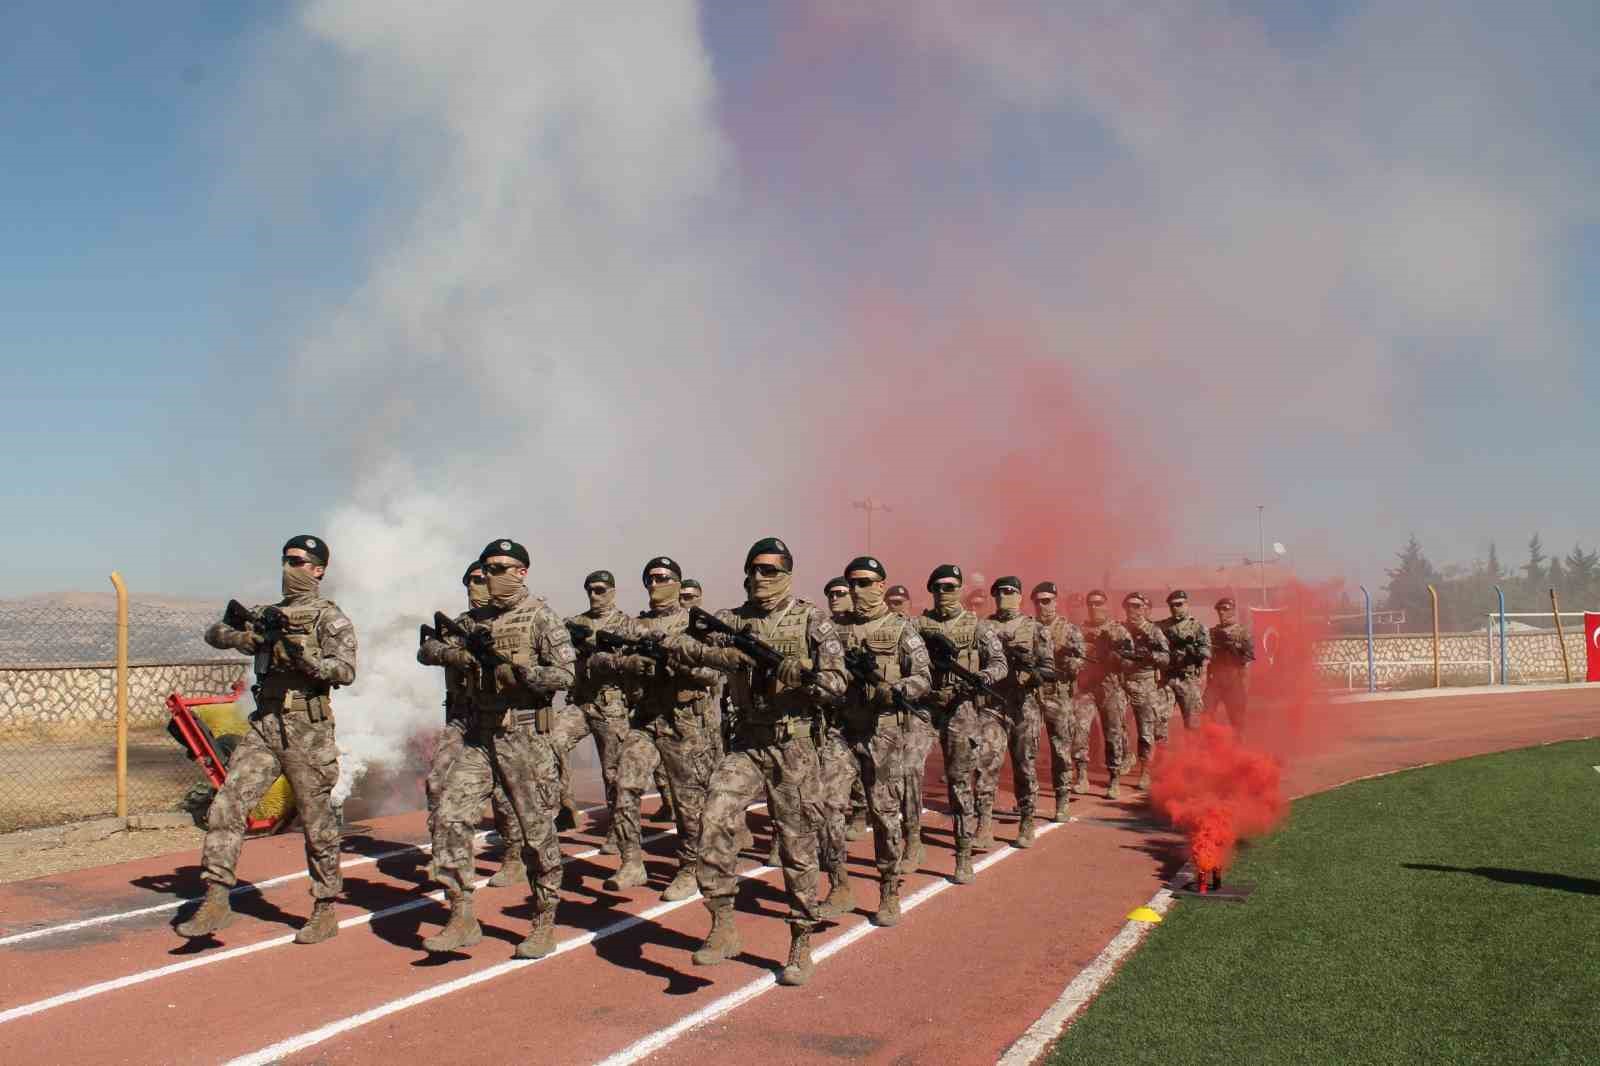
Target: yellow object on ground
x=224 y=719
x=1143 y=914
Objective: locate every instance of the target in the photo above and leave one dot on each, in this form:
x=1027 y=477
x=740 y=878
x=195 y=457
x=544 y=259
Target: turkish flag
x=1266 y=626
x=1591 y=643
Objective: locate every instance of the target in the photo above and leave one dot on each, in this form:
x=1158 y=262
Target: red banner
x=1267 y=631
x=1591 y=644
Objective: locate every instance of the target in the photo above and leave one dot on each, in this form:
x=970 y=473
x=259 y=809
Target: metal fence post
x=1434 y=594
x=1505 y=679
x=122 y=694
x=1561 y=637
x=1372 y=675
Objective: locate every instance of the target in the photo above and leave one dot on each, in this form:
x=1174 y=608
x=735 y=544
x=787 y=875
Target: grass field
x=1443 y=915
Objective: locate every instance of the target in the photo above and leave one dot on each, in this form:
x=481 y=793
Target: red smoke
x=1217 y=792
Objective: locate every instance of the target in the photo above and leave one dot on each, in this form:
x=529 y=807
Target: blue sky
x=152 y=290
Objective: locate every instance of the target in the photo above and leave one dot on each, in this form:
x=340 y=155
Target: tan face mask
x=868 y=601
x=664 y=596
x=506 y=589
x=1097 y=614
x=1047 y=611
x=602 y=602
x=477 y=595
x=768 y=592
x=947 y=603
x=298 y=583
x=1008 y=603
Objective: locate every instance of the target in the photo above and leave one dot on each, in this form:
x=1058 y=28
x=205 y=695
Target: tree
x=1583 y=576
x=1556 y=578
x=1491 y=569
x=1407 y=589
x=1533 y=571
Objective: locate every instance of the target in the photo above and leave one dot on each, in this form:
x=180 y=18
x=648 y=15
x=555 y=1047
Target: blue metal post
x=1498 y=591
x=1372 y=674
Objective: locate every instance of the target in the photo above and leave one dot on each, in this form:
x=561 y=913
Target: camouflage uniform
x=1027 y=645
x=880 y=735
x=974 y=735
x=774 y=752
x=1190 y=643
x=838 y=775
x=1227 y=680
x=513 y=736
x=1099 y=693
x=291 y=733
x=1142 y=655
x=601 y=697
x=1055 y=700
x=675 y=729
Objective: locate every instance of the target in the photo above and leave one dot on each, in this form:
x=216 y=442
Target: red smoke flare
x=1217 y=791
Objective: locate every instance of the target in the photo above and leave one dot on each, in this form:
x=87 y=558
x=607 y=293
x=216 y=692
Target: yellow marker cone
x=1143 y=914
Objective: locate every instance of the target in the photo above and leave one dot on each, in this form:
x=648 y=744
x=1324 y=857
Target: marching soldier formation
x=826 y=715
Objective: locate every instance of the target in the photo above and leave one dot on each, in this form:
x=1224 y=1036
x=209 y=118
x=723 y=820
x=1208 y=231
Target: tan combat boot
x=841 y=898
x=798 y=972
x=683 y=885
x=1114 y=787
x=985 y=839
x=911 y=860
x=1080 y=779
x=541 y=940
x=964 y=874
x=1063 y=802
x=774 y=859
x=214 y=914
x=1144 y=773
x=888 y=912
x=722 y=943
x=461 y=931
x=857 y=827
x=1025 y=832
x=629 y=875
x=322 y=925
x=511 y=872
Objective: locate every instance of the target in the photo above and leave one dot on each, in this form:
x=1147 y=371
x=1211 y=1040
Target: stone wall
x=1405 y=660
x=84 y=697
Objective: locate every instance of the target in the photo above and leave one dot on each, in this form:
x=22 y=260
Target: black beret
x=836 y=583
x=898 y=590
x=1177 y=594
x=769 y=546
x=691 y=583
x=1043 y=586
x=315 y=547
x=474 y=567
x=1092 y=594
x=1133 y=599
x=867 y=562
x=505 y=547
x=1005 y=582
x=942 y=572
x=1225 y=604
x=660 y=562
x=601 y=577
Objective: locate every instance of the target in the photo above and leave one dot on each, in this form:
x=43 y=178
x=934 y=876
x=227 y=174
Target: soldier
x=690 y=593
x=1232 y=652
x=1099 y=694
x=1055 y=697
x=1030 y=661
x=876 y=727
x=973 y=734
x=303 y=648
x=1191 y=650
x=837 y=593
x=1142 y=657
x=774 y=751
x=525 y=656
x=457 y=711
x=899 y=600
x=599 y=693
x=675 y=728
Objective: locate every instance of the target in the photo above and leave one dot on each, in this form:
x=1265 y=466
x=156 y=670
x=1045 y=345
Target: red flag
x=1267 y=628
x=1591 y=643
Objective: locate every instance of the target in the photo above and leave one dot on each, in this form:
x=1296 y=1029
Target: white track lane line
x=254 y=886
x=662 y=1037
x=28 y=1010
x=1033 y=1043
x=269 y=1055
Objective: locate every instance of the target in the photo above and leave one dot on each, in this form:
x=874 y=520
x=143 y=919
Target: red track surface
x=962 y=976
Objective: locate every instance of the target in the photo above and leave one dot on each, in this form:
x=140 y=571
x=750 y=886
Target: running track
x=967 y=970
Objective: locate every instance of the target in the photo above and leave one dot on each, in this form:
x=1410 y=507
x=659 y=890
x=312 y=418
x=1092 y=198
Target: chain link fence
x=58 y=705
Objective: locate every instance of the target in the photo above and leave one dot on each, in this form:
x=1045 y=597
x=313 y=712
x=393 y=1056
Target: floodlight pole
x=1261 y=549
x=869 y=505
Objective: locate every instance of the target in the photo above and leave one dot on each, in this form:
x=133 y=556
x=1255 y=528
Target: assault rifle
x=583 y=639
x=863 y=666
x=945 y=654
x=702 y=624
x=425 y=633
x=1136 y=649
x=480 y=642
x=270 y=622
x=650 y=647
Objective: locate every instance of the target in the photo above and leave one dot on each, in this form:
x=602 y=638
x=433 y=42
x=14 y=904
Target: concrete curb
x=56 y=836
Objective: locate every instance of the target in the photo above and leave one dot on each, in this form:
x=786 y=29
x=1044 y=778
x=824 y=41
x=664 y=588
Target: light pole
x=869 y=505
x=1261 y=549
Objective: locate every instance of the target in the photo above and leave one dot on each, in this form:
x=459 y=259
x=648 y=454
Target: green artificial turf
x=1348 y=953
